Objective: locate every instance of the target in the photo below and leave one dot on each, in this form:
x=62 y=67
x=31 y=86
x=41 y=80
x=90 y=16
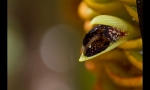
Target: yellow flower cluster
x=119 y=67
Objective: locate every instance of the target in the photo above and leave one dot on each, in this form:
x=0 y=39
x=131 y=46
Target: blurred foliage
x=24 y=38
x=85 y=79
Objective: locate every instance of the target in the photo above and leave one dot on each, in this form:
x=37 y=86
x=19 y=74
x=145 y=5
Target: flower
x=112 y=43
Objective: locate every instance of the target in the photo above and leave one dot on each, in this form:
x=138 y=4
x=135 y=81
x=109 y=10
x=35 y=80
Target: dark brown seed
x=99 y=38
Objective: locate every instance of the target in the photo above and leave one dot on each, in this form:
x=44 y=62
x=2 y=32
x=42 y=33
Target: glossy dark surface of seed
x=99 y=38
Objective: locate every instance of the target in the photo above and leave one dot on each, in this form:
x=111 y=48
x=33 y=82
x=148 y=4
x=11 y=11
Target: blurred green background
x=44 y=38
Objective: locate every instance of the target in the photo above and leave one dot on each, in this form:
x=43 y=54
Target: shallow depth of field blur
x=43 y=40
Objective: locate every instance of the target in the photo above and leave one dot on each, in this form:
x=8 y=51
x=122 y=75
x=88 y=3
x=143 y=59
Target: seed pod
x=108 y=33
